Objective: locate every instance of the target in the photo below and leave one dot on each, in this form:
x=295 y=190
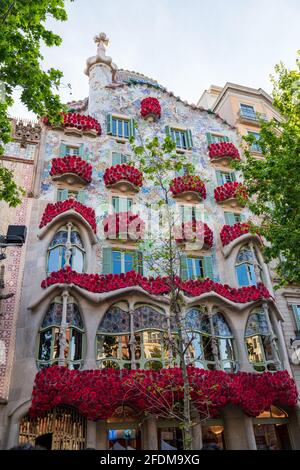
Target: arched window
x=244 y=267
x=56 y=259
x=49 y=335
x=113 y=345
x=258 y=339
x=202 y=332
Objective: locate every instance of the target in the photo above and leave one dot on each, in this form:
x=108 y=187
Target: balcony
x=251 y=117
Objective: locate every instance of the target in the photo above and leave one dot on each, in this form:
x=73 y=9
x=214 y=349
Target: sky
x=186 y=45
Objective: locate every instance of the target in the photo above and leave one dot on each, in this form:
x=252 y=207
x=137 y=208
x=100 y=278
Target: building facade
x=242 y=107
x=87 y=302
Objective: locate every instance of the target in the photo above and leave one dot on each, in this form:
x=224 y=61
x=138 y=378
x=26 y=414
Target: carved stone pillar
x=214 y=341
x=68 y=252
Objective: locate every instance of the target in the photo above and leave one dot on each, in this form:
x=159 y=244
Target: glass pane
x=225 y=349
x=115 y=320
x=190 y=267
x=205 y=324
x=153 y=365
x=77 y=260
x=107 y=346
x=54 y=260
x=126 y=129
x=120 y=128
x=55 y=352
x=242 y=275
x=245 y=255
x=110 y=365
x=116 y=261
x=45 y=345
x=73 y=315
x=195 y=347
x=53 y=315
x=199 y=267
x=146 y=317
x=251 y=274
x=129 y=262
x=257 y=324
x=75 y=350
x=254 y=349
x=76 y=238
x=207 y=348
x=220 y=325
x=125 y=347
x=114 y=126
x=60 y=238
x=267 y=348
x=152 y=344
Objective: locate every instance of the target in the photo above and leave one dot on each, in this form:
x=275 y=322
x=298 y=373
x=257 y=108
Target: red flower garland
x=223 y=149
x=230 y=190
x=192 y=231
x=185 y=183
x=80 y=121
x=100 y=283
x=231 y=232
x=123 y=172
x=52 y=210
x=72 y=164
x=150 y=106
x=97 y=393
x=125 y=223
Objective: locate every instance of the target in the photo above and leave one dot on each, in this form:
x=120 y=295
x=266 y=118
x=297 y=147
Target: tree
x=22 y=25
x=158 y=161
x=273 y=183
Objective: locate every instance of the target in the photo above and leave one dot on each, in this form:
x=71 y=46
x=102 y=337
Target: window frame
x=61 y=246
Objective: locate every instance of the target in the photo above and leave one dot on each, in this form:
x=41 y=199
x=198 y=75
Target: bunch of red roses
x=231 y=232
x=186 y=183
x=97 y=393
x=150 y=106
x=100 y=283
x=72 y=164
x=230 y=190
x=194 y=231
x=223 y=149
x=52 y=210
x=125 y=172
x=126 y=223
x=80 y=121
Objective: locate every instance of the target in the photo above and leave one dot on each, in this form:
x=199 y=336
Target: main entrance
x=123 y=430
x=271 y=430
x=60 y=429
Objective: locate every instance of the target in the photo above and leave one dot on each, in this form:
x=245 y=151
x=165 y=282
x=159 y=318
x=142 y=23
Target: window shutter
x=107 y=261
x=233 y=177
x=209 y=138
x=229 y=218
x=62 y=195
x=189 y=139
x=116 y=158
x=123 y=204
x=63 y=150
x=207 y=267
x=139 y=262
x=242 y=217
x=115 y=203
x=109 y=123
x=225 y=138
x=168 y=131
x=184 y=274
x=81 y=196
x=131 y=128
x=81 y=151
x=219 y=177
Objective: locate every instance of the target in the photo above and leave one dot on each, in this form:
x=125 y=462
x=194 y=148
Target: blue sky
x=186 y=45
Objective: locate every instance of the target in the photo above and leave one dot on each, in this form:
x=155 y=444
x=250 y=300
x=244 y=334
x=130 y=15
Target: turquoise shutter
x=62 y=195
x=138 y=261
x=116 y=158
x=81 y=196
x=168 y=131
x=242 y=217
x=184 y=268
x=109 y=123
x=233 y=177
x=123 y=204
x=207 y=267
x=209 y=138
x=107 y=261
x=81 y=151
x=62 y=150
x=225 y=138
x=219 y=177
x=189 y=139
x=296 y=317
x=229 y=218
x=131 y=128
x=116 y=204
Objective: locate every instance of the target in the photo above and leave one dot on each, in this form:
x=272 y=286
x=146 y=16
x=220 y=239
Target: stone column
x=239 y=335
x=101 y=436
x=197 y=437
x=214 y=340
x=152 y=443
x=68 y=252
x=63 y=329
x=91 y=434
x=236 y=431
x=132 y=340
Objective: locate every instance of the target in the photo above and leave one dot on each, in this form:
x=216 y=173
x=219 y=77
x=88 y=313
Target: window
x=182 y=138
x=216 y=138
x=120 y=127
x=259 y=342
x=232 y=218
x=296 y=312
x=121 y=204
x=190 y=213
x=57 y=250
x=196 y=267
x=71 y=150
x=225 y=177
x=49 y=335
x=121 y=261
x=119 y=158
x=244 y=267
x=201 y=331
x=255 y=147
x=64 y=194
x=149 y=350
x=247 y=111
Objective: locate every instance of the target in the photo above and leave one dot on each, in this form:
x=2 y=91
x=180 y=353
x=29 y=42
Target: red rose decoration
x=223 y=149
x=52 y=210
x=186 y=183
x=80 y=121
x=231 y=232
x=72 y=164
x=150 y=106
x=230 y=190
x=126 y=172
